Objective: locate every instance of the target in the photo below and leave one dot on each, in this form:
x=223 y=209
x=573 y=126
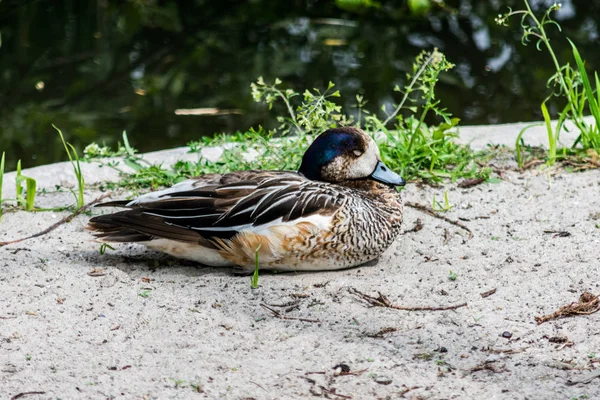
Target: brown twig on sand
x=18 y=396
x=59 y=223
x=531 y=164
x=488 y=293
x=427 y=210
x=383 y=301
x=418 y=226
x=469 y=183
x=280 y=316
x=489 y=366
x=587 y=304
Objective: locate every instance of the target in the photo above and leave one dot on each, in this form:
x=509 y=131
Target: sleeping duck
x=341 y=209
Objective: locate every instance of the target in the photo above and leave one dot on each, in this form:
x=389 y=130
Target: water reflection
x=97 y=67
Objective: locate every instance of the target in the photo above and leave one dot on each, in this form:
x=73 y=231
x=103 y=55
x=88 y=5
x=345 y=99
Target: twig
x=418 y=226
x=469 y=183
x=427 y=210
x=489 y=366
x=59 y=223
x=278 y=315
x=382 y=301
x=18 y=396
x=488 y=293
x=446 y=236
x=530 y=164
x=587 y=304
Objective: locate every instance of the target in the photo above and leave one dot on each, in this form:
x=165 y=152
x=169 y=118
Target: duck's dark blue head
x=346 y=153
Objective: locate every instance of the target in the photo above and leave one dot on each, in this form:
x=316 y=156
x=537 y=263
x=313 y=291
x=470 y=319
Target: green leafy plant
x=452 y=276
x=74 y=159
x=567 y=83
x=411 y=146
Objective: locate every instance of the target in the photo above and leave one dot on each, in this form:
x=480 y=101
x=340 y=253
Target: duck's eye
x=357 y=153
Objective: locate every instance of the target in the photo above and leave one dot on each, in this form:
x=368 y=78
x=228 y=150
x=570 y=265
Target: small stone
x=383 y=380
x=506 y=335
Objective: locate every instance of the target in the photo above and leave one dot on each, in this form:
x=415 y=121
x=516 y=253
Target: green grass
x=254 y=279
x=74 y=159
x=441 y=207
x=408 y=145
x=28 y=200
x=573 y=86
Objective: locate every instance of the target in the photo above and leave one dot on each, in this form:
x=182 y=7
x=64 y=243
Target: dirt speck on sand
x=137 y=324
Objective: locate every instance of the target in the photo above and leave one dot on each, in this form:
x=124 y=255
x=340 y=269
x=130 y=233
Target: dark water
x=98 y=67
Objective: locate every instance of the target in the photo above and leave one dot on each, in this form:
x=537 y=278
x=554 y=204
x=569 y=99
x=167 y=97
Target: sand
x=135 y=324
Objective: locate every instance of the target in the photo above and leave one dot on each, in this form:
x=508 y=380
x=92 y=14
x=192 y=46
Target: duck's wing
x=200 y=210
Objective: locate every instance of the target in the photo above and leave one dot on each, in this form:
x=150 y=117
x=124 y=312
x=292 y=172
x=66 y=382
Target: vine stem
x=544 y=38
x=410 y=86
x=290 y=110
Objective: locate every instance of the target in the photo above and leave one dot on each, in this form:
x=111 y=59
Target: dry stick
x=383 y=301
x=429 y=211
x=59 y=223
x=587 y=304
x=418 y=226
x=278 y=315
x=18 y=396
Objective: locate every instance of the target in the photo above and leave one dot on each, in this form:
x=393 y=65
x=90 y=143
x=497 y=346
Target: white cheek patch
x=364 y=165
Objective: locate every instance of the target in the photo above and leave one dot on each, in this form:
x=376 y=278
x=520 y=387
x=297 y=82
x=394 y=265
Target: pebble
x=383 y=380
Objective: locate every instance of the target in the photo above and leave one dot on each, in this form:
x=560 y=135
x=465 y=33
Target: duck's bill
x=385 y=175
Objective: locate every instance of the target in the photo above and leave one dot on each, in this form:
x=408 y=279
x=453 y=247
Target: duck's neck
x=375 y=190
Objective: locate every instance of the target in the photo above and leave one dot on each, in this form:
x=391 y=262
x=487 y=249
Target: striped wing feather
x=219 y=207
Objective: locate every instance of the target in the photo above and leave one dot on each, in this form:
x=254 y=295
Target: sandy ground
x=136 y=324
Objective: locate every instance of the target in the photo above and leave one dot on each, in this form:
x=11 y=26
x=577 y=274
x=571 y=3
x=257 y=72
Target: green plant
x=452 y=276
x=105 y=246
x=178 y=382
x=30 y=189
x=436 y=206
x=74 y=159
x=413 y=148
x=254 y=279
x=567 y=83
x=145 y=293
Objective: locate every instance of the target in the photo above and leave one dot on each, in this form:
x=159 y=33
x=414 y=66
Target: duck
x=341 y=209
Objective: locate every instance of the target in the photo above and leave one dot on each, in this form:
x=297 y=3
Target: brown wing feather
x=239 y=201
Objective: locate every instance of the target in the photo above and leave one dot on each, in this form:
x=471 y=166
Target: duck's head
x=343 y=154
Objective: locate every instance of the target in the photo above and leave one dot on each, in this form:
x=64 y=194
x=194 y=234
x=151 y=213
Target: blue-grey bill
x=385 y=175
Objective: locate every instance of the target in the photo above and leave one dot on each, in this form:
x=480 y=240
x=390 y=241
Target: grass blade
x=18 y=180
x=551 y=137
x=254 y=279
x=30 y=196
x=589 y=93
x=74 y=159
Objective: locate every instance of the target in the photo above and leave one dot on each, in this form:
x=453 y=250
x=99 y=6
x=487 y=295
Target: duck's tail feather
x=115 y=203
x=133 y=226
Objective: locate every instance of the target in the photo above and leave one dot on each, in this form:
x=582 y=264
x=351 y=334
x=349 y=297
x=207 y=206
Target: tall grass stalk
x=74 y=159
